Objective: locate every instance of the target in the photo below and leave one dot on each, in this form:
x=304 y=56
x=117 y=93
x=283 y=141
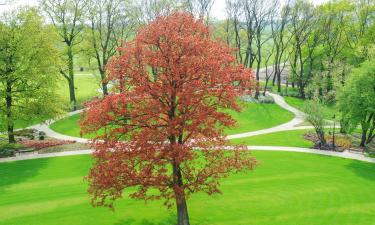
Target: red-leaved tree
x=161 y=128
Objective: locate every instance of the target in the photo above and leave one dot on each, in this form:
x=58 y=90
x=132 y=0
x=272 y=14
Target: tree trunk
x=104 y=84
x=182 y=210
x=363 y=139
x=10 y=125
x=72 y=92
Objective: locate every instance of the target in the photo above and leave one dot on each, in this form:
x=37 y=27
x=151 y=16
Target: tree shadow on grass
x=170 y=220
x=19 y=171
x=363 y=169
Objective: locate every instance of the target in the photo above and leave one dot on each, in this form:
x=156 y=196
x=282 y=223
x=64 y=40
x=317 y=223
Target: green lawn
x=252 y=117
x=86 y=84
x=292 y=138
x=329 y=110
x=287 y=188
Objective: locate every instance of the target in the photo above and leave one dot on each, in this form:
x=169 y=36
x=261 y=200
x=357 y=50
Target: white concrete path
x=291 y=125
x=346 y=154
x=49 y=132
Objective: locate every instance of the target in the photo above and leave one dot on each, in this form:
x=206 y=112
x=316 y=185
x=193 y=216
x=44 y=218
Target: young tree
x=357 y=101
x=67 y=17
x=281 y=41
x=28 y=75
x=165 y=132
x=314 y=115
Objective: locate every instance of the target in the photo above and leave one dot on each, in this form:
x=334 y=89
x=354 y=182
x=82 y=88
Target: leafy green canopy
x=357 y=99
x=28 y=74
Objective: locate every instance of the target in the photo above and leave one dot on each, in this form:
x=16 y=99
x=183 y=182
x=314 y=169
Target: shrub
x=38 y=144
x=330 y=97
x=314 y=114
x=340 y=141
x=7 y=150
x=29 y=133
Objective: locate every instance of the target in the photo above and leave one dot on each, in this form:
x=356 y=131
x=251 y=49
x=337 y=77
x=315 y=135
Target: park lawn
x=286 y=188
x=86 y=84
x=70 y=126
x=253 y=117
x=293 y=138
x=329 y=110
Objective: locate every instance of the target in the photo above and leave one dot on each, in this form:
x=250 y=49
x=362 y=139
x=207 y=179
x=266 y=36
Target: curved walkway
x=291 y=125
x=346 y=154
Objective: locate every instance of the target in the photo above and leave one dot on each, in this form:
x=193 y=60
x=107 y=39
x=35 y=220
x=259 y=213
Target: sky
x=217 y=8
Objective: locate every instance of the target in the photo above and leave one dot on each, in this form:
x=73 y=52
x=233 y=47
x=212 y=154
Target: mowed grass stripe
x=286 y=188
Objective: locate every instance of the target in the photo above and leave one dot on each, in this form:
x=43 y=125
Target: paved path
x=49 y=132
x=346 y=154
x=291 y=125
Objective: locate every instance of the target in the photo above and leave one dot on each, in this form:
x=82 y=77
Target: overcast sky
x=217 y=9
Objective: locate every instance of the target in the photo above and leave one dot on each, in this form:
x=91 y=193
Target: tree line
x=319 y=44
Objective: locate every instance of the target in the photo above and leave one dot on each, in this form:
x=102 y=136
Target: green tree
x=357 y=101
x=67 y=18
x=27 y=70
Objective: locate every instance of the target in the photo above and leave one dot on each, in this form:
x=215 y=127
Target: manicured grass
x=329 y=110
x=252 y=117
x=86 y=84
x=293 y=138
x=286 y=188
x=69 y=126
x=259 y=116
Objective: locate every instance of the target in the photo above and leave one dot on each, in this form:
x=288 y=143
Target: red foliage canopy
x=161 y=126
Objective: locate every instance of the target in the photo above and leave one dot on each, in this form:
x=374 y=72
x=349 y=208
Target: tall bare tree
x=148 y=10
x=67 y=17
x=234 y=13
x=110 y=24
x=200 y=8
x=281 y=39
x=259 y=14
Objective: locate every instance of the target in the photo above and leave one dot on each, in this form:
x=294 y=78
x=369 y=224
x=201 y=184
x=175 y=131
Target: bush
x=35 y=144
x=330 y=97
x=8 y=150
x=340 y=141
x=29 y=133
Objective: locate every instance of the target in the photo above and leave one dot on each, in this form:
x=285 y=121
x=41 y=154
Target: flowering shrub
x=39 y=144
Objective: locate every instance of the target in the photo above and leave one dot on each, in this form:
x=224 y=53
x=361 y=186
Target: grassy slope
x=252 y=117
x=286 y=188
x=285 y=138
x=86 y=85
x=298 y=103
